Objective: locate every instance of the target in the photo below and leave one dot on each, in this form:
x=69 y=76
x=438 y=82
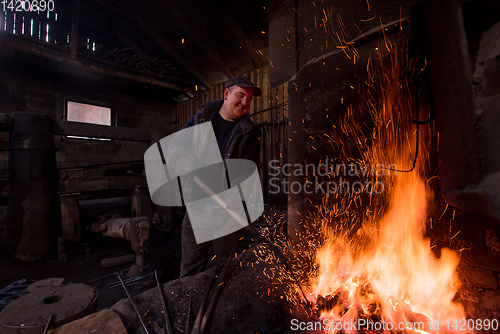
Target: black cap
x=242 y=81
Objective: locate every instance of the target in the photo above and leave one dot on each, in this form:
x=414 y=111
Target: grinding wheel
x=30 y=313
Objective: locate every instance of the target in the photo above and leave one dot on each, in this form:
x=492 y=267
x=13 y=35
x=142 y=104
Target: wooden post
x=33 y=210
x=70 y=218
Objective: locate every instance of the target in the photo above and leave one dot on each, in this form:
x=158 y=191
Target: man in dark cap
x=238 y=138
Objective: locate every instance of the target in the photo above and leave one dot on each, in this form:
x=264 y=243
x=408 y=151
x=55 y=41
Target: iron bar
x=168 y=325
x=143 y=323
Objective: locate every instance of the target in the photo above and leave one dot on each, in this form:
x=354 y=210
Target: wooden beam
x=238 y=32
x=101 y=183
x=63 y=10
x=120 y=32
x=104 y=321
x=156 y=36
x=74 y=28
x=186 y=25
x=117 y=260
x=171 y=51
x=27 y=45
x=70 y=128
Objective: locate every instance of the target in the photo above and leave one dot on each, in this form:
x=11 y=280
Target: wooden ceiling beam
x=238 y=32
x=186 y=25
x=120 y=32
x=165 y=45
x=26 y=45
x=162 y=42
x=67 y=12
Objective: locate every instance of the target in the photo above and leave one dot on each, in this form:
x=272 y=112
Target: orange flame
x=387 y=272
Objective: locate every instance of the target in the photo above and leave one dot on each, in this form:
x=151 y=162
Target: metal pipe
x=143 y=323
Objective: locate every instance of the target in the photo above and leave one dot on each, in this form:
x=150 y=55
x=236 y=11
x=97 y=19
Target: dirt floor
x=250 y=303
x=252 y=299
x=83 y=265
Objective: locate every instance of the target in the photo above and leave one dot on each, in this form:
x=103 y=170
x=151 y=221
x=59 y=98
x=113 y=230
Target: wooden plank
x=258 y=101
x=103 y=322
x=117 y=260
x=74 y=29
x=267 y=88
x=285 y=99
x=100 y=131
x=101 y=183
x=280 y=101
x=273 y=104
x=253 y=106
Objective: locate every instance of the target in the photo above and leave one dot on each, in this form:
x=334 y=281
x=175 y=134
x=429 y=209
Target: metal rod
x=106 y=276
x=128 y=280
x=197 y=323
x=188 y=320
x=48 y=324
x=220 y=201
x=168 y=325
x=143 y=323
x=215 y=296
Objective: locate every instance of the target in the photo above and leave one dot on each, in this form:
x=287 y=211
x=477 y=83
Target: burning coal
x=365 y=257
x=383 y=275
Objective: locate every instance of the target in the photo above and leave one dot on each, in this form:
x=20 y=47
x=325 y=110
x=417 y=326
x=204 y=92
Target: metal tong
x=203 y=315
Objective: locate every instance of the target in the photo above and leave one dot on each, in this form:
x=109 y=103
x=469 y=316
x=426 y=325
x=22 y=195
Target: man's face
x=237 y=102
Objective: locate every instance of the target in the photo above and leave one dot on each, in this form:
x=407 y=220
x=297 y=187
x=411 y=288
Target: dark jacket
x=244 y=132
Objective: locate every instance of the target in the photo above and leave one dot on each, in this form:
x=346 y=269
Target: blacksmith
x=238 y=138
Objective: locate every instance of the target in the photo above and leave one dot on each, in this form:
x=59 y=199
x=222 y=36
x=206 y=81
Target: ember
x=386 y=273
x=371 y=263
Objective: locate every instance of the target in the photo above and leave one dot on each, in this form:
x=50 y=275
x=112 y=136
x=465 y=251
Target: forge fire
x=371 y=268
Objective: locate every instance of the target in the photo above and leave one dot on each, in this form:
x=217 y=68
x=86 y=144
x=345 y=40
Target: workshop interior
x=379 y=166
